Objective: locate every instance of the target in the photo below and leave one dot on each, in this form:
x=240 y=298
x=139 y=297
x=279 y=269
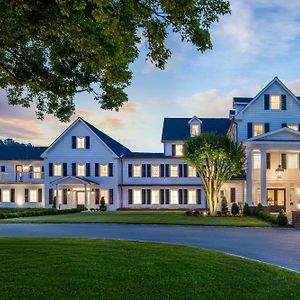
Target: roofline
x=270 y=133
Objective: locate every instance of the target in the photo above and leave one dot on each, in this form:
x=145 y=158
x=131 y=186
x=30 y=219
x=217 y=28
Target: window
x=81 y=170
x=104 y=194
x=256 y=160
x=155 y=197
x=57 y=170
x=192 y=197
x=5 y=195
x=137 y=170
x=258 y=129
x=178 y=150
x=174 y=196
x=104 y=170
x=37 y=172
x=293 y=126
x=173 y=171
x=192 y=171
x=80 y=142
x=292 y=161
x=137 y=197
x=195 y=130
x=155 y=170
x=33 y=196
x=275 y=102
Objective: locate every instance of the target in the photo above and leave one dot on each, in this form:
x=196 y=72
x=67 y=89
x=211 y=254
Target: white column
x=263 y=177
x=89 y=196
x=85 y=196
x=57 y=197
x=249 y=176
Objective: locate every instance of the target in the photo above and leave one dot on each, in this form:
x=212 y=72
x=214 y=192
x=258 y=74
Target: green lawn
x=139 y=217
x=39 y=268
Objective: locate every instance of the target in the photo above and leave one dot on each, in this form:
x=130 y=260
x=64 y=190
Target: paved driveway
x=272 y=245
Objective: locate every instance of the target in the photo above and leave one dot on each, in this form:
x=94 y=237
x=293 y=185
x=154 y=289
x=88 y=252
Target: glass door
x=19 y=173
x=276 y=199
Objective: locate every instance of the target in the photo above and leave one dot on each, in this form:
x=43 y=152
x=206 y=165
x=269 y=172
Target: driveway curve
x=276 y=246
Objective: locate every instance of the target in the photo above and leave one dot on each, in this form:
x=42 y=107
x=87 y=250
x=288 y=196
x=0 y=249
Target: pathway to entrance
x=277 y=246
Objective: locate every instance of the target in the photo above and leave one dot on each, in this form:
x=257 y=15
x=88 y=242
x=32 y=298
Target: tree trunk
x=212 y=198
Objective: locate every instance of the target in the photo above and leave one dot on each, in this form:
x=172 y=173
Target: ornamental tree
x=216 y=158
x=52 y=50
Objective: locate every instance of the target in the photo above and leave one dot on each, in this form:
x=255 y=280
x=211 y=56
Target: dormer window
x=80 y=142
x=275 y=102
x=195 y=130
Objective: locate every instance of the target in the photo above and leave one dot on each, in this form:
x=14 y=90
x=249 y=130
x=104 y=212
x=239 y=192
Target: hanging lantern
x=279 y=172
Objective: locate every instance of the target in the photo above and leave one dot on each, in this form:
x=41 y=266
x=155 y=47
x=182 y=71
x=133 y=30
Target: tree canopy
x=52 y=50
x=12 y=143
x=216 y=158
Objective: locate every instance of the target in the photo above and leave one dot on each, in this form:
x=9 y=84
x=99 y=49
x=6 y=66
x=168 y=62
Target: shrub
x=282 y=219
x=102 y=204
x=235 y=209
x=246 y=210
x=224 y=205
x=259 y=208
x=267 y=216
x=196 y=213
x=188 y=213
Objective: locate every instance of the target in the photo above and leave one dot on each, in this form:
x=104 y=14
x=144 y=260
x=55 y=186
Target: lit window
x=256 y=160
x=104 y=170
x=155 y=197
x=104 y=194
x=292 y=161
x=137 y=170
x=57 y=170
x=173 y=171
x=137 y=197
x=195 y=130
x=80 y=142
x=275 y=102
x=293 y=126
x=155 y=170
x=33 y=195
x=192 y=197
x=178 y=150
x=5 y=196
x=37 y=172
x=174 y=196
x=258 y=129
x=81 y=170
x=192 y=171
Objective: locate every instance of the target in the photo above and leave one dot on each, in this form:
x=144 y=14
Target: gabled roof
x=74 y=180
x=178 y=129
x=242 y=100
x=115 y=146
x=21 y=153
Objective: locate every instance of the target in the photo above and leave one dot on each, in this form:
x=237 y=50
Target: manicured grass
x=105 y=269
x=139 y=217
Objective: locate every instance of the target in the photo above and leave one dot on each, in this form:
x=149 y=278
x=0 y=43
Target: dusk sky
x=259 y=40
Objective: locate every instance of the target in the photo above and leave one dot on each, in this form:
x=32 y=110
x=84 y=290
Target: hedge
x=30 y=212
x=267 y=216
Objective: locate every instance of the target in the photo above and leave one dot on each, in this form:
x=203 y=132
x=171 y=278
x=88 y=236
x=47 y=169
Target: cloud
x=111 y=123
x=294 y=86
x=130 y=107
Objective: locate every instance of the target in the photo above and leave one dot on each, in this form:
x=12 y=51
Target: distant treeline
x=12 y=143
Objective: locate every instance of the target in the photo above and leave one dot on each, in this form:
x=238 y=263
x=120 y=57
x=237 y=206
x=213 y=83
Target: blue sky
x=259 y=40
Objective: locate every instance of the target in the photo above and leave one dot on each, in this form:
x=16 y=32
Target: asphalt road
x=277 y=246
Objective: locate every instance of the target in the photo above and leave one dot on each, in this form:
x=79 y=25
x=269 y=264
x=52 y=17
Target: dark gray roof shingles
x=21 y=153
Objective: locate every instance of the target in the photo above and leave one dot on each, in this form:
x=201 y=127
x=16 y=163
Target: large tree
x=51 y=50
x=216 y=158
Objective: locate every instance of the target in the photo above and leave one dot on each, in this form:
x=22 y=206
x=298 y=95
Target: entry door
x=19 y=172
x=80 y=198
x=276 y=199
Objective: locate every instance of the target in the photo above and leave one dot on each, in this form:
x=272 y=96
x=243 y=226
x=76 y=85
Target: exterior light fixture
x=298 y=206
x=279 y=172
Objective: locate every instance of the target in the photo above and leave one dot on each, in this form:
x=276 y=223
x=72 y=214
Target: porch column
x=57 y=197
x=249 y=176
x=89 y=196
x=263 y=177
x=85 y=196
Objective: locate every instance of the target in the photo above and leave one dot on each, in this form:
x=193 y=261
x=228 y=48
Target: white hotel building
x=83 y=163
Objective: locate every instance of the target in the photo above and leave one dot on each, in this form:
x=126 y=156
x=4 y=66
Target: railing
x=21 y=177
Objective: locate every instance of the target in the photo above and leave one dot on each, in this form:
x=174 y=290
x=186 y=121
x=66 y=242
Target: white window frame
x=80 y=142
x=277 y=100
x=155 y=197
x=195 y=130
x=258 y=124
x=192 y=171
x=137 y=197
x=33 y=196
x=80 y=169
x=292 y=161
x=5 y=195
x=192 y=197
x=178 y=149
x=137 y=170
x=155 y=170
x=174 y=170
x=37 y=172
x=104 y=193
x=104 y=170
x=174 y=196
x=57 y=169
x=256 y=160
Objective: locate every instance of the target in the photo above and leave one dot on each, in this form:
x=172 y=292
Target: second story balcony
x=19 y=177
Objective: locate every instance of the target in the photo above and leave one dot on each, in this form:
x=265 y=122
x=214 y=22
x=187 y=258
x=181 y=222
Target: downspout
x=121 y=157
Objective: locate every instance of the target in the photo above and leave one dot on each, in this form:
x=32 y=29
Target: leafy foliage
x=259 y=208
x=11 y=142
x=102 y=204
x=246 y=210
x=234 y=209
x=52 y=50
x=216 y=158
x=267 y=216
x=282 y=219
x=224 y=205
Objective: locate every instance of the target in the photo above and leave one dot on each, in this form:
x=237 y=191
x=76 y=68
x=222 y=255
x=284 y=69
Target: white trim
x=267 y=134
x=194 y=118
x=74 y=178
